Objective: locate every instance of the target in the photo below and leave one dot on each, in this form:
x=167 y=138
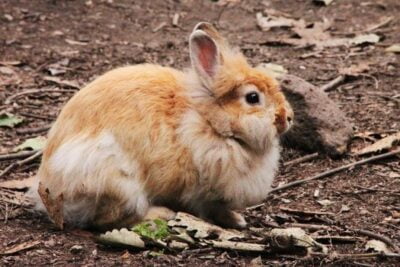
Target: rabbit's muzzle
x=284 y=117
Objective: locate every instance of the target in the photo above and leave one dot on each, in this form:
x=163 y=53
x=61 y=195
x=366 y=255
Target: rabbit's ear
x=204 y=55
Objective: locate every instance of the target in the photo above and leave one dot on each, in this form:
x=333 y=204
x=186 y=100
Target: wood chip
x=20 y=247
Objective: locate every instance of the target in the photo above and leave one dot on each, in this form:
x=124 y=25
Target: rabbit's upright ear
x=204 y=55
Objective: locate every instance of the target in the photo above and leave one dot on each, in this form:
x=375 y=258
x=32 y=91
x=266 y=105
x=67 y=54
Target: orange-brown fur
x=148 y=110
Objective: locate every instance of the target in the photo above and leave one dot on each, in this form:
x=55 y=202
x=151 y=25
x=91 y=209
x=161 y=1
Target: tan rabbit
x=204 y=141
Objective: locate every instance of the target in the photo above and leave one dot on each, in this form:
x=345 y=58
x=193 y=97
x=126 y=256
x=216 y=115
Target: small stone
x=8 y=17
x=320 y=125
x=76 y=249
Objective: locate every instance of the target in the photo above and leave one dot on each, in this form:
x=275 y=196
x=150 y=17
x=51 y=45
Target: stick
x=18 y=155
x=33 y=130
x=34 y=91
x=377 y=236
x=307 y=212
x=336 y=170
x=21 y=162
x=379 y=25
x=333 y=84
x=301 y=159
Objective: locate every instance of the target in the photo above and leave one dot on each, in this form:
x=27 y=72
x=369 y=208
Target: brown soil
x=116 y=33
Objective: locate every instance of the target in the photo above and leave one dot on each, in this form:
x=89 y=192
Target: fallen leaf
x=267 y=23
x=325 y=2
x=18 y=184
x=383 y=144
x=377 y=246
x=365 y=39
x=293 y=236
x=122 y=237
x=54 y=206
x=36 y=143
x=202 y=229
x=393 y=48
x=275 y=70
x=325 y=202
x=9 y=120
x=178 y=245
x=20 y=247
x=6 y=71
x=344 y=208
x=65 y=83
x=73 y=42
x=256 y=262
x=356 y=69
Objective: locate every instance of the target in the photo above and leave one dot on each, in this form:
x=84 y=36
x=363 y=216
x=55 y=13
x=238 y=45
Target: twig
x=308 y=226
x=333 y=84
x=33 y=130
x=301 y=159
x=21 y=162
x=336 y=238
x=36 y=116
x=307 y=212
x=18 y=155
x=379 y=25
x=336 y=170
x=377 y=236
x=356 y=256
x=35 y=91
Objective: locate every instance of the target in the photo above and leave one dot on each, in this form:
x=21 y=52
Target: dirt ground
x=76 y=41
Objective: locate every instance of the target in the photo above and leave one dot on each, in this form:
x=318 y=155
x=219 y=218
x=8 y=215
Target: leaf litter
x=311 y=34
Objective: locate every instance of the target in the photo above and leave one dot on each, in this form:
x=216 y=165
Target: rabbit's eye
x=252 y=98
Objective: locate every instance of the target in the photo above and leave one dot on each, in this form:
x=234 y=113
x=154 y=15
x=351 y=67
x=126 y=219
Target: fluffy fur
x=148 y=135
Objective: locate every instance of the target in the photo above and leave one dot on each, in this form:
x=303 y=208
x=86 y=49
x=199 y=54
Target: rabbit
x=145 y=140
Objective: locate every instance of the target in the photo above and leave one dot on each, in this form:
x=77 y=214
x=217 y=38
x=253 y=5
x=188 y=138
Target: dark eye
x=252 y=98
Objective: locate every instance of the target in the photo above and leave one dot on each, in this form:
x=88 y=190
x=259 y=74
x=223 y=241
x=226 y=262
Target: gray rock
x=319 y=123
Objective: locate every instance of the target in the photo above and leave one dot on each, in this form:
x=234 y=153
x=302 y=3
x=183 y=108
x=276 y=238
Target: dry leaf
x=20 y=247
x=325 y=202
x=36 y=143
x=393 y=48
x=287 y=238
x=202 y=229
x=272 y=69
x=383 y=144
x=377 y=246
x=54 y=207
x=122 y=237
x=64 y=83
x=355 y=70
x=267 y=23
x=365 y=39
x=18 y=184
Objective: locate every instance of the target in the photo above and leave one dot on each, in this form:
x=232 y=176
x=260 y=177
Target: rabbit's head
x=237 y=100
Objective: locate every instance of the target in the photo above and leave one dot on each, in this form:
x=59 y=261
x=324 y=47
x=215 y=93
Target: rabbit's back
x=118 y=137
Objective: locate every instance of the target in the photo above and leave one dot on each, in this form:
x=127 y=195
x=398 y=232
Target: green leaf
x=36 y=143
x=156 y=229
x=10 y=120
